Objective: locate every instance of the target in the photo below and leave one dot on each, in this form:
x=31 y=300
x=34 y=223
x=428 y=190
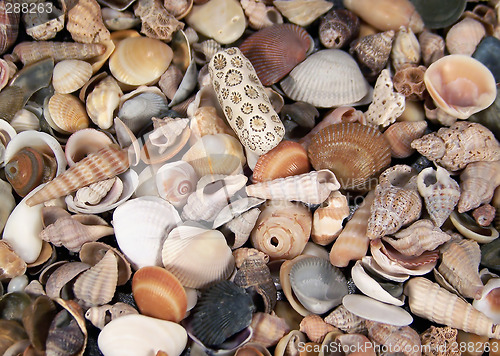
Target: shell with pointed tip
x=401 y=134
x=419 y=237
x=259 y=15
x=387 y=15
x=103 y=101
x=151 y=218
x=372 y=52
x=224 y=27
x=405 y=49
x=85 y=23
x=464 y=36
x=346 y=321
x=338 y=28
x=312 y=80
x=242 y=226
x=102 y=315
x=11 y=264
x=312 y=188
x=460 y=85
x=268 y=329
x=395 y=338
x=352 y=243
x=97 y=285
x=460 y=260
x=328 y=219
x=315 y=328
x=428 y=300
x=276 y=50
x=302 y=12
x=371 y=309
x=186 y=244
x=67 y=113
x=94 y=193
x=140 y=60
x=287 y=159
x=159 y=294
x=488 y=303
x=455 y=146
x=282 y=229
x=175 y=182
x=157 y=21
x=478 y=182
x=70 y=75
x=334 y=146
x=140 y=334
x=31 y=52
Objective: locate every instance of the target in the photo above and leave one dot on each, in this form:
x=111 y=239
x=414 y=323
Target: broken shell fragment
x=328 y=219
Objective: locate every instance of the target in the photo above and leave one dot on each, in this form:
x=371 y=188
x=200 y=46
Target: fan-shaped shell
x=67 y=113
x=70 y=75
x=464 y=36
x=335 y=146
x=313 y=79
x=276 y=50
x=197 y=257
x=85 y=22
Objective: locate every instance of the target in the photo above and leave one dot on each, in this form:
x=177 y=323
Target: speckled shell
x=405 y=49
x=312 y=80
x=428 y=300
x=464 y=36
x=85 y=22
x=244 y=101
x=315 y=328
x=455 y=146
x=387 y=105
x=440 y=193
x=156 y=21
x=276 y=50
x=328 y=219
x=67 y=113
x=372 y=52
x=401 y=134
x=334 y=147
x=302 y=12
x=338 y=28
x=402 y=338
x=409 y=81
x=432 y=47
x=346 y=321
x=70 y=75
x=478 y=182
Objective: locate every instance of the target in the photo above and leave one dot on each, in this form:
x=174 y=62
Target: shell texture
x=276 y=50
x=242 y=226
x=204 y=51
x=85 y=22
x=102 y=102
x=70 y=75
x=432 y=47
x=434 y=337
x=372 y=52
x=346 y=321
x=315 y=328
x=302 y=12
x=464 y=36
x=259 y=15
x=84 y=142
x=409 y=81
x=10 y=26
x=67 y=113
x=331 y=68
x=478 y=182
x=12 y=265
x=235 y=209
x=405 y=49
x=156 y=21
x=397 y=338
x=175 y=181
x=99 y=316
x=328 y=219
x=455 y=146
x=267 y=329
x=244 y=101
x=488 y=304
x=334 y=146
x=401 y=134
x=428 y=300
x=338 y=28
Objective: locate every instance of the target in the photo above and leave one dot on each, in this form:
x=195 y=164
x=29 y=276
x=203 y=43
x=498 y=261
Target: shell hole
x=273 y=17
x=430 y=179
x=274 y=241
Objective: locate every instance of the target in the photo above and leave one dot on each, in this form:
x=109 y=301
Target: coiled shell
x=372 y=52
x=478 y=182
x=405 y=49
x=401 y=134
x=338 y=28
x=102 y=102
x=328 y=219
x=175 y=181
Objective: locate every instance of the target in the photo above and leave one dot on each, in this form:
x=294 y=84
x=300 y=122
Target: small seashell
x=165 y=134
x=356 y=341
x=276 y=50
x=428 y=300
x=102 y=315
x=478 y=182
x=159 y=294
x=175 y=182
x=346 y=321
x=241 y=254
x=487 y=303
x=484 y=215
x=435 y=337
x=464 y=36
x=204 y=51
x=328 y=219
x=334 y=146
x=70 y=75
x=268 y=329
x=302 y=12
x=11 y=264
x=85 y=22
x=84 y=142
x=206 y=121
x=235 y=209
x=455 y=146
x=170 y=81
x=118 y=20
x=97 y=285
x=67 y=113
x=311 y=81
x=282 y=229
x=315 y=328
x=157 y=22
x=259 y=15
x=405 y=49
x=372 y=52
x=371 y=309
x=242 y=226
x=95 y=191
x=387 y=105
x=432 y=47
x=395 y=337
x=7 y=71
x=401 y=134
x=290 y=343
x=102 y=102
x=178 y=8
x=338 y=28
x=42 y=25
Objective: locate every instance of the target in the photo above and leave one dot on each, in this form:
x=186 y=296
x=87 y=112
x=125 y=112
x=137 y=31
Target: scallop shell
x=139 y=60
x=282 y=229
x=175 y=182
x=105 y=163
x=409 y=81
x=460 y=85
x=401 y=134
x=432 y=47
x=464 y=36
x=185 y=244
x=159 y=294
x=67 y=113
x=374 y=310
x=405 y=49
x=334 y=146
x=338 y=28
x=372 y=52
x=70 y=75
x=428 y=300
x=259 y=15
x=276 y=50
x=157 y=21
x=393 y=337
x=478 y=182
x=312 y=188
x=85 y=22
x=152 y=218
x=328 y=219
x=346 y=321
x=102 y=102
x=302 y=12
x=302 y=85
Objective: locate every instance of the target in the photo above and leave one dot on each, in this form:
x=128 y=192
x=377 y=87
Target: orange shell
x=287 y=159
x=159 y=294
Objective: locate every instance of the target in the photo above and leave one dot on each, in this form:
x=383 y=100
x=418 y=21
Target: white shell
x=147 y=185
x=70 y=75
x=175 y=181
x=140 y=335
x=103 y=101
x=369 y=263
x=371 y=309
x=8 y=132
x=141 y=226
x=83 y=142
x=486 y=306
x=7 y=202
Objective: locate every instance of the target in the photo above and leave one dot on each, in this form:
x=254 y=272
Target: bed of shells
x=252 y=178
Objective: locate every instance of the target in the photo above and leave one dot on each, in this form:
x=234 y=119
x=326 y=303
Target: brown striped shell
x=355 y=153
x=276 y=50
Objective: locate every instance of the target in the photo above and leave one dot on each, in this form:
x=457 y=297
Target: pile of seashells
x=253 y=177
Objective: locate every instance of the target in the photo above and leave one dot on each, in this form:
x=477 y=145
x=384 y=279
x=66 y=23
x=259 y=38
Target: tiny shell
x=102 y=102
x=42 y=25
x=11 y=265
x=409 y=81
x=488 y=303
x=315 y=328
x=338 y=28
x=85 y=22
x=175 y=182
x=259 y=15
x=405 y=49
x=70 y=75
x=432 y=47
x=302 y=12
x=67 y=113
x=395 y=338
x=346 y=321
x=401 y=134
x=268 y=329
x=102 y=315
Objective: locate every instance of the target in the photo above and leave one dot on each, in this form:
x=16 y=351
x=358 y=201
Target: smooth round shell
x=70 y=75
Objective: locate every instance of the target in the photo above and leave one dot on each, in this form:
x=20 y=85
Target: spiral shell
x=478 y=182
x=338 y=27
x=372 y=52
x=175 y=181
x=102 y=102
x=405 y=49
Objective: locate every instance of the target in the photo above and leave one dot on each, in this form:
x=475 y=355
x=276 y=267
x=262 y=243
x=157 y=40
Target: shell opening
x=430 y=179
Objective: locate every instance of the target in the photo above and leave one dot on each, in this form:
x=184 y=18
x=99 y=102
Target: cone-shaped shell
x=478 y=183
x=328 y=219
x=70 y=75
x=92 y=252
x=312 y=80
x=428 y=300
x=395 y=338
x=67 y=113
x=401 y=134
x=105 y=163
x=302 y=12
x=372 y=52
x=159 y=294
x=140 y=60
x=460 y=85
x=276 y=50
x=338 y=27
x=335 y=146
x=346 y=321
x=85 y=22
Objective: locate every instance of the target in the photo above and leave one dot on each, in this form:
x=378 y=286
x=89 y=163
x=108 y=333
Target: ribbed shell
x=354 y=152
x=432 y=47
x=345 y=320
x=276 y=50
x=102 y=102
x=401 y=134
x=313 y=79
x=68 y=113
x=105 y=163
x=478 y=182
x=70 y=75
x=402 y=338
x=315 y=328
